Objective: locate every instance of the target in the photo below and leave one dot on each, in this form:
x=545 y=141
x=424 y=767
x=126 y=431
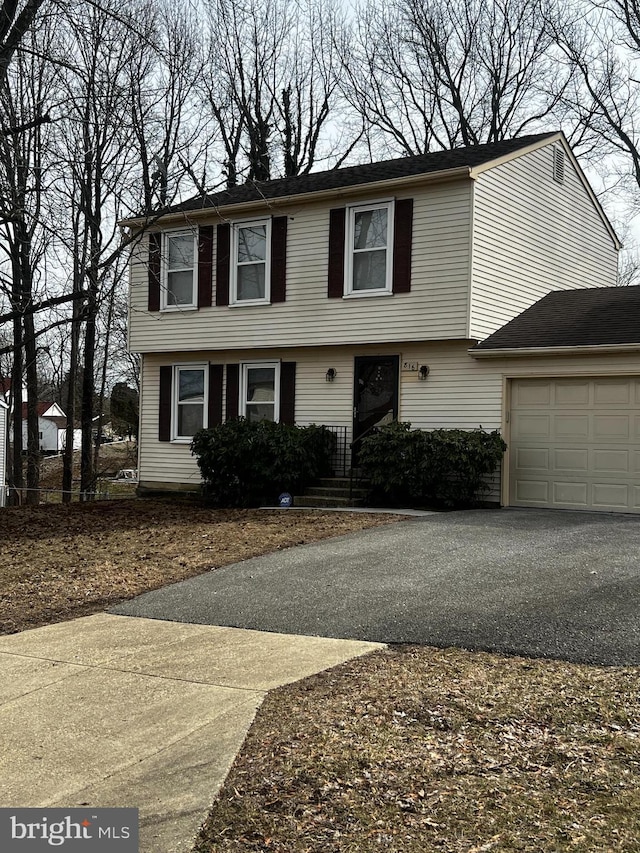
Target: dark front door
x=375 y=396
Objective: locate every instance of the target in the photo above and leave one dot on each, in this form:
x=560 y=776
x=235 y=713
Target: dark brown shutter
x=215 y=395
x=164 y=412
x=223 y=263
x=278 y=258
x=337 y=219
x=288 y=392
x=205 y=259
x=233 y=391
x=155 y=244
x=402 y=238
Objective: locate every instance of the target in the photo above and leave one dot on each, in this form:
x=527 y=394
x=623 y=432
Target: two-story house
x=353 y=295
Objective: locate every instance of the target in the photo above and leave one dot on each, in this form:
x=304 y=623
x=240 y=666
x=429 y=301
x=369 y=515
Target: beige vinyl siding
x=436 y=308
x=459 y=392
x=533 y=235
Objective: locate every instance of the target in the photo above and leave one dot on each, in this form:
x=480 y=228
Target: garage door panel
x=532 y=459
x=610 y=495
x=570 y=393
x=579 y=450
x=610 y=461
x=612 y=392
x=608 y=427
x=571 y=426
x=532 y=426
x=565 y=493
x=534 y=393
x=570 y=459
x=532 y=491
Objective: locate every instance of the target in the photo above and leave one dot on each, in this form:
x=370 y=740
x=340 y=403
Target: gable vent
x=558 y=165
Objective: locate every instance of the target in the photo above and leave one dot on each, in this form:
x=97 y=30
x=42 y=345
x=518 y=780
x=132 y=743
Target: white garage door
x=575 y=443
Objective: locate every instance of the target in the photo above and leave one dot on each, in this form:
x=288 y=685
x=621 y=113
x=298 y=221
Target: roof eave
x=442 y=175
x=522 y=352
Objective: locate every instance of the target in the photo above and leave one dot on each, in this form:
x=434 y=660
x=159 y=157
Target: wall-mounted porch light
x=423 y=372
x=331 y=374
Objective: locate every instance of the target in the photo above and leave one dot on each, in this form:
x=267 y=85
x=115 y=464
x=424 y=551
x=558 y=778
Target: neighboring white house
x=4 y=418
x=52 y=423
x=324 y=298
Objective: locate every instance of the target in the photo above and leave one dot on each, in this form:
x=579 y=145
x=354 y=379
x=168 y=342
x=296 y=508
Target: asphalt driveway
x=530 y=582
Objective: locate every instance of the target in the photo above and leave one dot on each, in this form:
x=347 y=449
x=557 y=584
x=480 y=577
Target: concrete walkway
x=113 y=711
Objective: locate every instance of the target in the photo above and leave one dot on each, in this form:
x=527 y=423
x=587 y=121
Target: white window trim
x=175 y=390
x=244 y=368
x=387 y=290
x=164 y=271
x=233 y=284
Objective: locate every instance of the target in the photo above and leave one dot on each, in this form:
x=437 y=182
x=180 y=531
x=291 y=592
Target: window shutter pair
x=214 y=413
x=216 y=372
x=204 y=262
x=287 y=392
x=402 y=241
x=278 y=261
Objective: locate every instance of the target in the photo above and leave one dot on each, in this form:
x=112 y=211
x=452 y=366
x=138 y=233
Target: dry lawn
x=58 y=562
x=417 y=749
x=408 y=749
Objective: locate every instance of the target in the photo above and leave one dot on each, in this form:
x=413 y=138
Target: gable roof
x=351 y=176
x=43 y=409
x=599 y=316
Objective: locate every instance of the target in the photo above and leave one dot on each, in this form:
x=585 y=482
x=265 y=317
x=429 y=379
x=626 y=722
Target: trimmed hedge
x=248 y=463
x=446 y=467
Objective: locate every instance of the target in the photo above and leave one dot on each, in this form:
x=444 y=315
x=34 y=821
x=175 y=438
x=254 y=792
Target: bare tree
x=272 y=91
x=16 y=19
x=435 y=75
x=602 y=45
x=24 y=96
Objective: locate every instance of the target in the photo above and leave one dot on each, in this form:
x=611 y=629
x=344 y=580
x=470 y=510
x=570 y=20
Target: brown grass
x=417 y=749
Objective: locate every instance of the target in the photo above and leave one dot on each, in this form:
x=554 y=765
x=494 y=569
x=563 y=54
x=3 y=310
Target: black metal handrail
x=384 y=420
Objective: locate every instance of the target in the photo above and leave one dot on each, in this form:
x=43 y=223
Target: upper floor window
x=251 y=253
x=369 y=249
x=189 y=403
x=179 y=274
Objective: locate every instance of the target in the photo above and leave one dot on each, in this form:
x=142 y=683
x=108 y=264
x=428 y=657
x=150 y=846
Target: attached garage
x=574 y=440
x=575 y=443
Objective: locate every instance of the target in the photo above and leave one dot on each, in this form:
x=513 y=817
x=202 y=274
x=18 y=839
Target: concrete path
x=112 y=711
x=531 y=582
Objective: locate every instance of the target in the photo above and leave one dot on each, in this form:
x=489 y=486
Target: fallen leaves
x=414 y=750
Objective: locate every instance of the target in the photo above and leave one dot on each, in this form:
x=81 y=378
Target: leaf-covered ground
x=417 y=749
x=408 y=749
x=58 y=562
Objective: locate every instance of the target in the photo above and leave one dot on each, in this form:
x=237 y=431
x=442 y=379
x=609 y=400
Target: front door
x=375 y=396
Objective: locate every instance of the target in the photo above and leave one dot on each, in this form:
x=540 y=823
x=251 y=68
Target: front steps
x=333 y=492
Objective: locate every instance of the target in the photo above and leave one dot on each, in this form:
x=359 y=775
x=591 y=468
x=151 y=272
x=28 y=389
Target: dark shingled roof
x=350 y=176
x=564 y=318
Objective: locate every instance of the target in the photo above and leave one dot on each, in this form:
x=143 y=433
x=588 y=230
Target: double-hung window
x=190 y=403
x=251 y=253
x=369 y=249
x=260 y=391
x=179 y=273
